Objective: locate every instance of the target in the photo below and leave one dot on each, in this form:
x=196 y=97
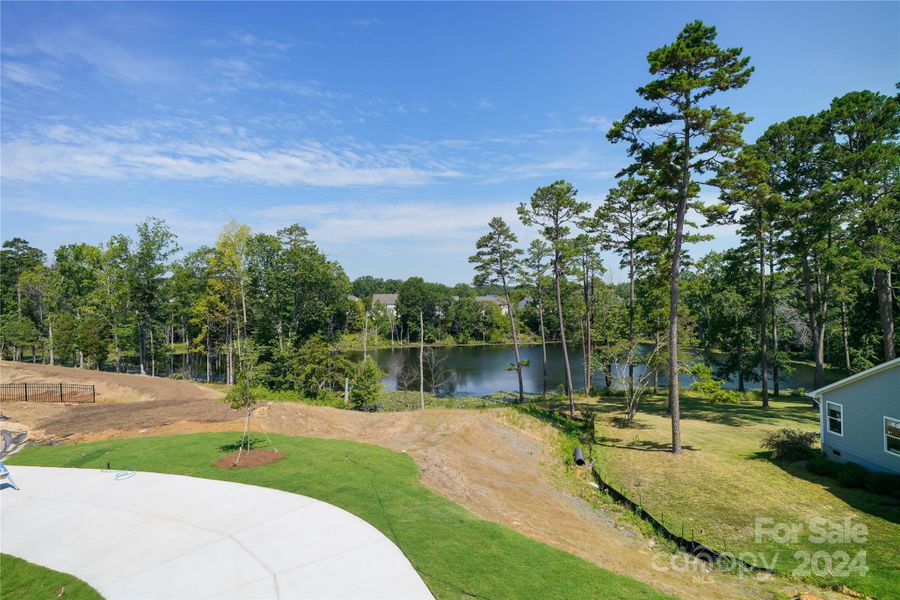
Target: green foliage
x=852 y=476
x=791 y=444
x=240 y=395
x=319 y=366
x=821 y=465
x=711 y=388
x=366 y=388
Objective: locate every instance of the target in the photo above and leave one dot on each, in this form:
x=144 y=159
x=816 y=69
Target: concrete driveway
x=167 y=536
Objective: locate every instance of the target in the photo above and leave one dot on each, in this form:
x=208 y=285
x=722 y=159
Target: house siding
x=865 y=404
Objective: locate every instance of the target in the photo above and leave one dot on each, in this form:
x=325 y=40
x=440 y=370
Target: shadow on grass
x=247 y=444
x=622 y=423
x=783 y=411
x=876 y=505
x=642 y=445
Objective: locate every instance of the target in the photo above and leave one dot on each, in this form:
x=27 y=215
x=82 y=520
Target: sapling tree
x=366 y=388
x=681 y=135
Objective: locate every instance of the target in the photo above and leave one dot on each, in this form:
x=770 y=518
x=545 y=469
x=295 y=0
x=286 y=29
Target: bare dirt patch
x=124 y=402
x=254 y=458
x=111 y=387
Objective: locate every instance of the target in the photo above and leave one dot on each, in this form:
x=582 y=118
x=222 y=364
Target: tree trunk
x=816 y=327
x=776 y=383
x=763 y=350
x=229 y=358
x=588 y=305
x=885 y=312
x=630 y=315
x=674 y=276
x=421 y=360
x=557 y=274
x=244 y=308
x=845 y=335
x=50 y=325
x=152 y=355
x=208 y=354
x=515 y=337
x=543 y=347
x=366 y=336
x=142 y=350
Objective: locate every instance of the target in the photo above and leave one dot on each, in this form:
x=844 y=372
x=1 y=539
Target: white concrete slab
x=169 y=536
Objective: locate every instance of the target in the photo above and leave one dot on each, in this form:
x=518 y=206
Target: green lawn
x=723 y=482
x=22 y=580
x=456 y=553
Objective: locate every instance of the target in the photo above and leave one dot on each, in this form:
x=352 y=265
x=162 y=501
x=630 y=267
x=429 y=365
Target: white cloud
x=426 y=223
x=108 y=58
x=28 y=75
x=63 y=153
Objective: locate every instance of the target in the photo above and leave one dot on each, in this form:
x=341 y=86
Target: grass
x=457 y=554
x=723 y=482
x=22 y=580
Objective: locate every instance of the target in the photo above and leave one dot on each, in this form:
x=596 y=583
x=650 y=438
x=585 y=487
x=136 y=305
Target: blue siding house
x=859 y=418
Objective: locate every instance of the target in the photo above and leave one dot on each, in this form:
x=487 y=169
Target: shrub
x=790 y=444
x=706 y=385
x=883 y=483
x=366 y=388
x=852 y=476
x=821 y=465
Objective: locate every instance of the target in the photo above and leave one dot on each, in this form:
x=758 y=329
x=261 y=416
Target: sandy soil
x=498 y=463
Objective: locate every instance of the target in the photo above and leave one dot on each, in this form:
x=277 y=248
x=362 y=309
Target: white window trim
x=884 y=434
x=828 y=418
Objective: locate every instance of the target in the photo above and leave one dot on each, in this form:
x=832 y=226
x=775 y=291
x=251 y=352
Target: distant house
x=494 y=299
x=859 y=418
x=352 y=298
x=389 y=301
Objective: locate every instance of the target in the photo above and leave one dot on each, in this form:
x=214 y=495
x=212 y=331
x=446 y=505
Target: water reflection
x=479 y=370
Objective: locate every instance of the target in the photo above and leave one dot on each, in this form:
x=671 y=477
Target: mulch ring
x=253 y=458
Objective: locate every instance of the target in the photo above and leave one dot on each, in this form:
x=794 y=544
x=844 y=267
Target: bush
x=366 y=388
x=852 y=476
x=791 y=444
x=883 y=483
x=821 y=465
x=706 y=385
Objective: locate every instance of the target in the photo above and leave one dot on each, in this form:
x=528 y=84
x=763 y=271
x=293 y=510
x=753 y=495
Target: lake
x=480 y=370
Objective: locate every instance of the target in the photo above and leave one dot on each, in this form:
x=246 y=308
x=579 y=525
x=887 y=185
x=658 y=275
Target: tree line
x=814 y=199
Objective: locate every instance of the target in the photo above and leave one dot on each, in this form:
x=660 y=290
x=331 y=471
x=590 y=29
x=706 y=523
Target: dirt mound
x=253 y=458
x=111 y=387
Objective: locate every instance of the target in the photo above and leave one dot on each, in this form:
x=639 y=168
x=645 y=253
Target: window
x=892 y=436
x=835 y=416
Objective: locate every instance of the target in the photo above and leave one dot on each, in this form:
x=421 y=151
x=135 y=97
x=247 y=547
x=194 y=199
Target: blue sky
x=393 y=132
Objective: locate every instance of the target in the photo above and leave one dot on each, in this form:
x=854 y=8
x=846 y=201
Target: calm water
x=480 y=370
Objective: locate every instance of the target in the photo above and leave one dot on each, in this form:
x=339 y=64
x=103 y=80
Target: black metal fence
x=47 y=392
